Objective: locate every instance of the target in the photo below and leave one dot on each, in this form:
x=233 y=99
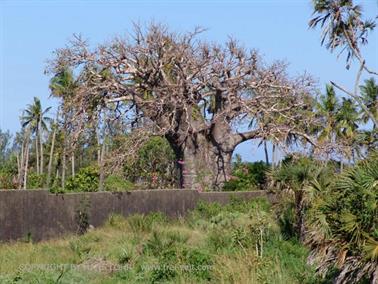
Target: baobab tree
x=197 y=95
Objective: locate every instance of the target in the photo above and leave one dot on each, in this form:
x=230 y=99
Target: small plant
x=116 y=220
x=80 y=249
x=82 y=216
x=124 y=257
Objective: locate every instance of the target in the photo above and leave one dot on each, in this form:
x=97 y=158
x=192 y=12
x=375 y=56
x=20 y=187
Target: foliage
x=349 y=215
x=343 y=26
x=117 y=183
x=8 y=172
x=247 y=176
x=167 y=251
x=5 y=141
x=154 y=166
x=35 y=180
x=298 y=181
x=85 y=180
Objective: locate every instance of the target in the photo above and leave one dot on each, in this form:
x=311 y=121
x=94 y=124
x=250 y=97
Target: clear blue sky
x=31 y=30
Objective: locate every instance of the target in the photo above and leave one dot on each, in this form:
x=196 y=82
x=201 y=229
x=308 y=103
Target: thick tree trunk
x=203 y=163
x=204 y=157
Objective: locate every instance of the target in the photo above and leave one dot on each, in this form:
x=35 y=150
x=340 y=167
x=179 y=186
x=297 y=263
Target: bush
x=8 y=173
x=85 y=180
x=247 y=176
x=155 y=165
x=35 y=180
x=117 y=183
x=345 y=223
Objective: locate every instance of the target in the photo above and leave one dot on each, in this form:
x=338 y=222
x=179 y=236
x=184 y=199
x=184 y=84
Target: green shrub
x=155 y=165
x=85 y=180
x=35 y=180
x=199 y=263
x=247 y=176
x=6 y=180
x=345 y=222
x=117 y=183
x=8 y=173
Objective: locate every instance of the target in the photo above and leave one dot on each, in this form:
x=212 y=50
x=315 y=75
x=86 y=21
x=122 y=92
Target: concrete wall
x=42 y=215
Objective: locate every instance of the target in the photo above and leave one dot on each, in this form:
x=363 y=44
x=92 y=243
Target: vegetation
x=239 y=243
x=164 y=110
x=247 y=176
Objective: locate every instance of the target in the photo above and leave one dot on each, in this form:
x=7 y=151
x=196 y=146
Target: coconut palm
x=342 y=26
x=35 y=117
x=327 y=107
x=347 y=127
x=63 y=86
x=369 y=93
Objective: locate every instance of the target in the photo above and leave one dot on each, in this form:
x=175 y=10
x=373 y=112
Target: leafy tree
x=153 y=167
x=5 y=141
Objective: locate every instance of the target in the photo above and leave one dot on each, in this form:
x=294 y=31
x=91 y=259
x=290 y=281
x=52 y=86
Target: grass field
x=237 y=243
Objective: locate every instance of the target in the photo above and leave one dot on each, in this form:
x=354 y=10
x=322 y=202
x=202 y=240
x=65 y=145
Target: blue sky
x=31 y=30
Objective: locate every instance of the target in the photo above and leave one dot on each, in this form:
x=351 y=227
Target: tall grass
x=236 y=243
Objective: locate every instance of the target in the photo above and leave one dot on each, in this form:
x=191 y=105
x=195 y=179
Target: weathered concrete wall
x=42 y=215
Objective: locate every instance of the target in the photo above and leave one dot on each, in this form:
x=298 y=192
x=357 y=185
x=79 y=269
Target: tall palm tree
x=347 y=130
x=63 y=86
x=35 y=117
x=327 y=108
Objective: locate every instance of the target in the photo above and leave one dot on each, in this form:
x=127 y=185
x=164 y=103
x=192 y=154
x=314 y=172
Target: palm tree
x=297 y=177
x=23 y=161
x=327 y=108
x=54 y=127
x=369 y=93
x=63 y=86
x=347 y=129
x=342 y=26
x=35 y=117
